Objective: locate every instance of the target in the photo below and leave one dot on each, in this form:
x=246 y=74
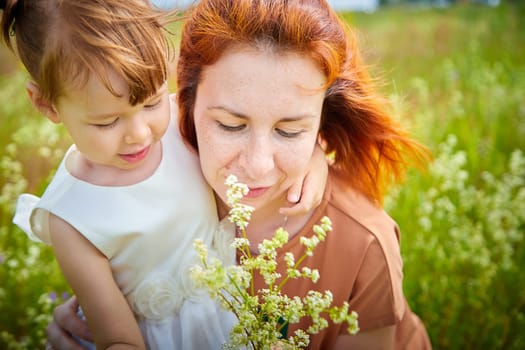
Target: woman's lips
x=135 y=157
x=256 y=192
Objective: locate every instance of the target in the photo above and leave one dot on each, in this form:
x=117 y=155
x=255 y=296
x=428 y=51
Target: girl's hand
x=306 y=193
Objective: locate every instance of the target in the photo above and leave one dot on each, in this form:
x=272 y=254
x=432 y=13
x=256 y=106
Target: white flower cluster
x=240 y=214
x=264 y=314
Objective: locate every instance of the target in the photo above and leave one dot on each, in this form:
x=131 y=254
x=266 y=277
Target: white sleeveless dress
x=147 y=230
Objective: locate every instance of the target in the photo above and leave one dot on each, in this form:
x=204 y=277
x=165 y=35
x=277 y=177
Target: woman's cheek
x=216 y=158
x=293 y=164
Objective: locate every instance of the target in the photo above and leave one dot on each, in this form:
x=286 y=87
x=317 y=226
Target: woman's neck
x=266 y=220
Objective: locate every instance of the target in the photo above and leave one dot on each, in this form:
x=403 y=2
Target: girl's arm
x=88 y=272
x=307 y=192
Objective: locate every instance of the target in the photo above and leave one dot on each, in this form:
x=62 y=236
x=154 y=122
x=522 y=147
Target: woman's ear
x=43 y=106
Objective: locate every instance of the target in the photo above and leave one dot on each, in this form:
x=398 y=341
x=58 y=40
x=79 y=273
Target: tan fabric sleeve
x=374 y=296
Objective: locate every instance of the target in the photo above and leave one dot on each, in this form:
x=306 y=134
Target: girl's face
x=257 y=116
x=107 y=130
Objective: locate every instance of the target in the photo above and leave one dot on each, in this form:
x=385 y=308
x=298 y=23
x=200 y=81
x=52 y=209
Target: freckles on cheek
x=211 y=154
x=295 y=161
x=204 y=137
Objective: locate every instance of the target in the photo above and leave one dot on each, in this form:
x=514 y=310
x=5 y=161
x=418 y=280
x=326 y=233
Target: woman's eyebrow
x=229 y=111
x=240 y=115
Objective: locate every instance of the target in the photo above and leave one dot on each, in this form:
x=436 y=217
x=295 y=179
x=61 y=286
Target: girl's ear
x=43 y=106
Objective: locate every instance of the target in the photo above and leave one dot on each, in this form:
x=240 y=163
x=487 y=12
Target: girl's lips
x=135 y=157
x=256 y=192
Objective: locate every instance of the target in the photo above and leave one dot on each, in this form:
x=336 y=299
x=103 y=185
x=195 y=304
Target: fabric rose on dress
x=187 y=286
x=157 y=297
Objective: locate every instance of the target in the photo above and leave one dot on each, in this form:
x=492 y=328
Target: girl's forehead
x=94 y=97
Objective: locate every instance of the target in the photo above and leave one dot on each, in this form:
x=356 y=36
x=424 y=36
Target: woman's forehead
x=249 y=64
x=257 y=83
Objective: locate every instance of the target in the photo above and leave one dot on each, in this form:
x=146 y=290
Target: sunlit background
x=455 y=73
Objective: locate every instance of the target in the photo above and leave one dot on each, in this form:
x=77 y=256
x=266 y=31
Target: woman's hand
x=306 y=193
x=66 y=324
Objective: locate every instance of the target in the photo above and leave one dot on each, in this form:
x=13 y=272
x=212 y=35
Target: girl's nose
x=138 y=130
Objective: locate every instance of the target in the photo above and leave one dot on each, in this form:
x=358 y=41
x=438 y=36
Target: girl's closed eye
x=108 y=124
x=154 y=104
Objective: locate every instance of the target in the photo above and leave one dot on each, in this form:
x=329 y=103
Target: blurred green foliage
x=456 y=76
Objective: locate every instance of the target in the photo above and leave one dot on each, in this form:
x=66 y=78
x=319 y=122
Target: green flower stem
x=283 y=282
x=234 y=310
x=248 y=253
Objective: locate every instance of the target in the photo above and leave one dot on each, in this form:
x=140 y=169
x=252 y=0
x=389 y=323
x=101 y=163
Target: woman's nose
x=257 y=158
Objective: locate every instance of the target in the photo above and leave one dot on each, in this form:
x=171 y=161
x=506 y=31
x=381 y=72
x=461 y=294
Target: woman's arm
x=376 y=339
x=88 y=272
x=307 y=192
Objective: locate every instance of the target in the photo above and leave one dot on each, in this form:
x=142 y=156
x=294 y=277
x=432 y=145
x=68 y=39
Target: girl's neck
x=100 y=175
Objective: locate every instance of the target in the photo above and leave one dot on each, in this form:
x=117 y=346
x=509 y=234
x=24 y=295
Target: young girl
x=128 y=199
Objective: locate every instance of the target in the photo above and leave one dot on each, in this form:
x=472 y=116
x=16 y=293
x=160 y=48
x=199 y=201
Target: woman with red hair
x=260 y=82
x=241 y=61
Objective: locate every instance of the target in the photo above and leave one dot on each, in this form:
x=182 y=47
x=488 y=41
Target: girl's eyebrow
x=239 y=115
x=103 y=116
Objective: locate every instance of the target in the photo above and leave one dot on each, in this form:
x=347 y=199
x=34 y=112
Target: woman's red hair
x=370 y=148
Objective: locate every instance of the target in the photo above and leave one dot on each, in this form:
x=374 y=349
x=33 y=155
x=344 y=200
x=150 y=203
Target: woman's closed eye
x=289 y=133
x=232 y=128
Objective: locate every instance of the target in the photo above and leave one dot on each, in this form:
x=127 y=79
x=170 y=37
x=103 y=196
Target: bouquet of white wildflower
x=264 y=314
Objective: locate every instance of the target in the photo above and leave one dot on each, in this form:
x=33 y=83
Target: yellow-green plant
x=472 y=234
x=263 y=313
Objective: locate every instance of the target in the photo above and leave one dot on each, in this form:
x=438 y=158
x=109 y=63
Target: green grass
x=457 y=78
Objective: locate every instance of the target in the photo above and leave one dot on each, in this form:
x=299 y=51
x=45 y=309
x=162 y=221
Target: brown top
x=359 y=262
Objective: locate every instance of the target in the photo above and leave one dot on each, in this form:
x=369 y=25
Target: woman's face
x=257 y=116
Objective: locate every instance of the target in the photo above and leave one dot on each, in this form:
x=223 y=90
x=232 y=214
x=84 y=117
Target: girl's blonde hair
x=62 y=42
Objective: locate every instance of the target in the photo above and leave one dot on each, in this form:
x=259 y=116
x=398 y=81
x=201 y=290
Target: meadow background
x=456 y=76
